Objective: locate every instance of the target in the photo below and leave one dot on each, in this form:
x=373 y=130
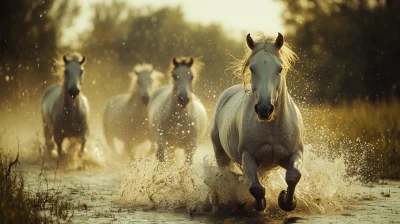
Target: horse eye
x=280 y=70
x=251 y=70
x=175 y=76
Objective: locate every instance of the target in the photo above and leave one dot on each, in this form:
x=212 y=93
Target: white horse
x=264 y=129
x=125 y=115
x=64 y=107
x=177 y=117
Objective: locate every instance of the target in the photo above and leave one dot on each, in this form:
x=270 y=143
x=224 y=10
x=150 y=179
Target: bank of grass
x=367 y=134
x=18 y=204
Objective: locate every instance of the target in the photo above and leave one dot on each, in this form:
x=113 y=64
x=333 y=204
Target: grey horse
x=65 y=109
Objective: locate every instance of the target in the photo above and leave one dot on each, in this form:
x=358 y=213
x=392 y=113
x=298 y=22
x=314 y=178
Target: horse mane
x=156 y=76
x=240 y=67
x=196 y=67
x=60 y=64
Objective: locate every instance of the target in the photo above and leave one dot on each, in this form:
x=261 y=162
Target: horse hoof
x=260 y=204
x=283 y=205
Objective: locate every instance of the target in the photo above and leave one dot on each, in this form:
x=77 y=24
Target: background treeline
x=348 y=50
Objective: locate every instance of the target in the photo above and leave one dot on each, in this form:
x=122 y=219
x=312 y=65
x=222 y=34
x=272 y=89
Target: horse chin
x=265 y=119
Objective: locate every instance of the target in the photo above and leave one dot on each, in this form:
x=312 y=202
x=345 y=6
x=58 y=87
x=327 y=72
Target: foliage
x=21 y=205
x=29 y=34
x=366 y=134
x=348 y=49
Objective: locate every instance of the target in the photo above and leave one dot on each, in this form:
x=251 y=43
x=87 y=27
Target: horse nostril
x=145 y=100
x=73 y=92
x=271 y=109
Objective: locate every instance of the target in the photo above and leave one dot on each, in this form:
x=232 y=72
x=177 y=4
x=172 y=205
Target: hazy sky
x=237 y=16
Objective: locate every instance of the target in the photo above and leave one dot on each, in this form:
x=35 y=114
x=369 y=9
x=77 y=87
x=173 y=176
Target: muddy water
x=108 y=188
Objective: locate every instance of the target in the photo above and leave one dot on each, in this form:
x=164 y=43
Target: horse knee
x=293 y=176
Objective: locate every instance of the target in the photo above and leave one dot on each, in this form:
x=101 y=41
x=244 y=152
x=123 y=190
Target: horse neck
x=282 y=102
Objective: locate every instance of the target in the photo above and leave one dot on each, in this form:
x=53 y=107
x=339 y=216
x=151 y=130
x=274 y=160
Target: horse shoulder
x=49 y=99
x=294 y=127
x=201 y=116
x=85 y=108
x=158 y=103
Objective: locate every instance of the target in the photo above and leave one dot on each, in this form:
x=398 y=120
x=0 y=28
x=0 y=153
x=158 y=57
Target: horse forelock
x=60 y=66
x=155 y=75
x=196 y=67
x=240 y=67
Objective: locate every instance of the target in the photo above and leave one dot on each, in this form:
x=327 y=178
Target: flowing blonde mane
x=240 y=67
x=60 y=64
x=195 y=68
x=156 y=76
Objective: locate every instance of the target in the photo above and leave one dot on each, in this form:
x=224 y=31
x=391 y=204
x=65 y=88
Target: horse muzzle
x=264 y=111
x=183 y=100
x=145 y=100
x=73 y=92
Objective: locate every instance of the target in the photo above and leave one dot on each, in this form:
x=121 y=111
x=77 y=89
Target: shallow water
x=104 y=189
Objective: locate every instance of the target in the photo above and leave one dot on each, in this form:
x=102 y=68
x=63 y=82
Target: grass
x=367 y=135
x=18 y=204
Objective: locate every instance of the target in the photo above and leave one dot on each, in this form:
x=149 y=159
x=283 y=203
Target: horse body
x=125 y=115
x=65 y=109
x=179 y=126
x=271 y=143
x=262 y=129
x=125 y=118
x=177 y=117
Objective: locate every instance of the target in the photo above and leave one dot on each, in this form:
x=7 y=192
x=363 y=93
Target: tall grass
x=367 y=135
x=18 y=204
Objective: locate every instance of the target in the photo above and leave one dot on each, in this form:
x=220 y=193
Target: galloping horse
x=125 y=115
x=64 y=108
x=177 y=117
x=263 y=129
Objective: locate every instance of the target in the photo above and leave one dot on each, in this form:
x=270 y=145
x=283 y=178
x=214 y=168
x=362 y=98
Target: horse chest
x=179 y=127
x=269 y=143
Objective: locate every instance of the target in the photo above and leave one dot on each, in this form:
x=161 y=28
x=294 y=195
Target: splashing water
x=324 y=187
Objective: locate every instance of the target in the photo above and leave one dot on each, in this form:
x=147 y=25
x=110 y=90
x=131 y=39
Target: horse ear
x=65 y=59
x=249 y=41
x=83 y=60
x=279 y=41
x=176 y=64
x=191 y=62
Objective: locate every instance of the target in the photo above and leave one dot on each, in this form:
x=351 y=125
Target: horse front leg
x=287 y=199
x=83 y=144
x=58 y=138
x=256 y=189
x=190 y=150
x=160 y=154
x=48 y=132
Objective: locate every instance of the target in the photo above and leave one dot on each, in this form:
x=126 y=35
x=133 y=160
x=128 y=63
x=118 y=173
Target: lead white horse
x=125 y=115
x=262 y=129
x=64 y=107
x=177 y=117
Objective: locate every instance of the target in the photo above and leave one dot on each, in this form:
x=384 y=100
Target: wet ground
x=104 y=194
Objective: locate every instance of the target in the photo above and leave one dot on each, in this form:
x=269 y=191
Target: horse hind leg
x=287 y=200
x=256 y=189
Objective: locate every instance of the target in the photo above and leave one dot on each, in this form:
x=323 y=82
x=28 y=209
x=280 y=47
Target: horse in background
x=125 y=115
x=177 y=117
x=65 y=109
x=262 y=129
